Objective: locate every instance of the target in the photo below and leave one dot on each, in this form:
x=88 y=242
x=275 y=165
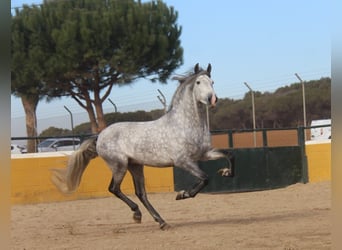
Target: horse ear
x=196 y=68
x=209 y=69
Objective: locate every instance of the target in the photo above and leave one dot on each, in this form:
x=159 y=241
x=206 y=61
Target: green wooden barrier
x=253 y=169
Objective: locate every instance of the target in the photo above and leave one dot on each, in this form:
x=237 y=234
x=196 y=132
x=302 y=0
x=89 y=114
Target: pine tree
x=82 y=48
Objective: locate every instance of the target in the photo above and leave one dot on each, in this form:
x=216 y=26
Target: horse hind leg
x=137 y=172
x=114 y=188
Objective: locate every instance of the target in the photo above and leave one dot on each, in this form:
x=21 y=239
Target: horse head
x=200 y=84
x=203 y=87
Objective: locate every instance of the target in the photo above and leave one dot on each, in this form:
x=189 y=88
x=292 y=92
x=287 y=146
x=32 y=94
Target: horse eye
x=198 y=82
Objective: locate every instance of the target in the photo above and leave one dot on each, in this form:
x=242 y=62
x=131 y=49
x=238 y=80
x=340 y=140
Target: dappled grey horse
x=180 y=138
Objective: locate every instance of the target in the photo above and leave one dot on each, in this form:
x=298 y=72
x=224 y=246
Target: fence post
x=230 y=139
x=72 y=126
x=264 y=138
x=301 y=143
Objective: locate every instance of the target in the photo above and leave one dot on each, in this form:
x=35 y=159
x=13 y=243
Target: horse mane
x=184 y=82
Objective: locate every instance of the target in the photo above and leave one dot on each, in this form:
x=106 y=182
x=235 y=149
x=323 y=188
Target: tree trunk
x=101 y=122
x=92 y=119
x=30 y=104
x=89 y=108
x=100 y=118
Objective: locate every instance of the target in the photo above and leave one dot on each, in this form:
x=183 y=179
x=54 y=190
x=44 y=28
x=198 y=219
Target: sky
x=263 y=43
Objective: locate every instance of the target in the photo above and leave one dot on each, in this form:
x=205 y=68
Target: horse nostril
x=216 y=98
x=212 y=100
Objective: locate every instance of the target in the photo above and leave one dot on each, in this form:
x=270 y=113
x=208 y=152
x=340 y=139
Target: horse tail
x=68 y=179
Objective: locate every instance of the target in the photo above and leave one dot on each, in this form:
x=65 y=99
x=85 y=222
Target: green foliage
x=280 y=109
x=98 y=43
x=81 y=48
x=53 y=131
x=283 y=108
x=28 y=51
x=111 y=118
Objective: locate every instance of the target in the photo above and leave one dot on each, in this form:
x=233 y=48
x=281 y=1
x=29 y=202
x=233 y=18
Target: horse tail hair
x=68 y=179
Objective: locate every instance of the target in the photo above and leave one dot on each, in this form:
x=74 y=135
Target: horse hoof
x=225 y=172
x=164 y=226
x=137 y=218
x=182 y=195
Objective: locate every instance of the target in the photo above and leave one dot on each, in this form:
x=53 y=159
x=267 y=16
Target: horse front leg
x=193 y=168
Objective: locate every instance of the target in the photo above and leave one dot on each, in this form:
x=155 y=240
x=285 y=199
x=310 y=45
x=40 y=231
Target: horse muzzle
x=212 y=100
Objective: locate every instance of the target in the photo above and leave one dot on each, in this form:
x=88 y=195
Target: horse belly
x=151 y=156
x=128 y=145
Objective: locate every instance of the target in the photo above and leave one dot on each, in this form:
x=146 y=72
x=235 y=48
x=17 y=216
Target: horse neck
x=193 y=113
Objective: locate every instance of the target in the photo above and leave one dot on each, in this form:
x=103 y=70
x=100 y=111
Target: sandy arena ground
x=296 y=217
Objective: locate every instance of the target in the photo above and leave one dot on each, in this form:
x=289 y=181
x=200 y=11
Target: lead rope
x=208 y=125
x=207 y=109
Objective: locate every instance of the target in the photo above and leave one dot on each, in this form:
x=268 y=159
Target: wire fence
x=244 y=138
x=44 y=121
